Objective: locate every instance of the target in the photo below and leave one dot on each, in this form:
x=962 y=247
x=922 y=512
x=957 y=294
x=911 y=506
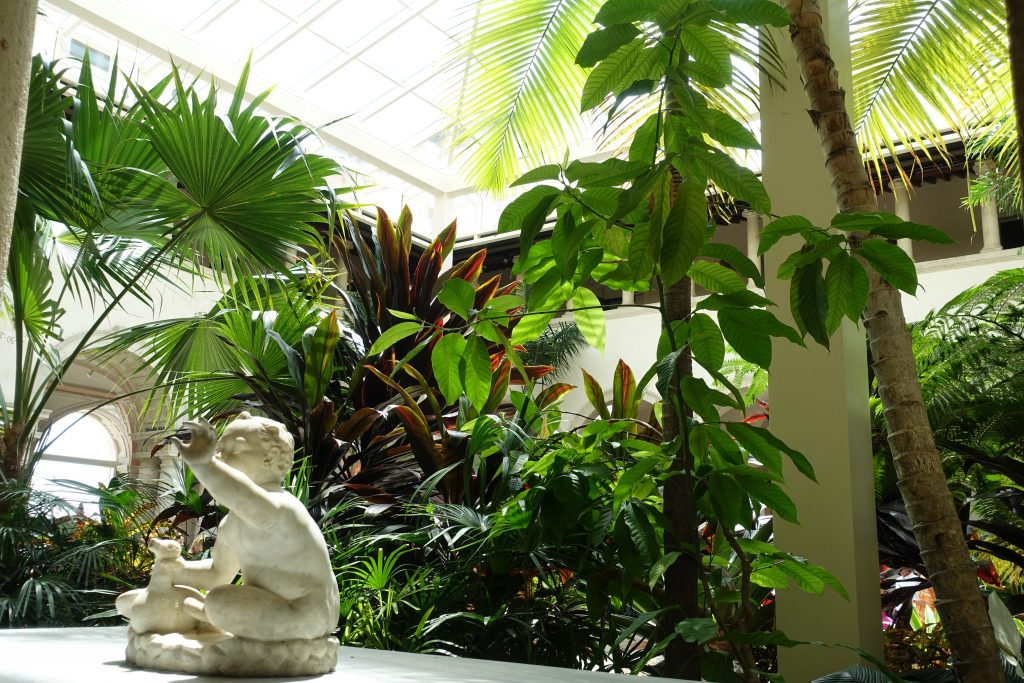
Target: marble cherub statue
x=278 y=620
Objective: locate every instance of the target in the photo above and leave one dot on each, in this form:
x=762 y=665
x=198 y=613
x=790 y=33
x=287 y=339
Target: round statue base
x=222 y=654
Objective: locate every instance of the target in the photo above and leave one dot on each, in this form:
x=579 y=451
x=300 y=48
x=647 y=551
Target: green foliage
x=820 y=298
x=59 y=568
x=140 y=193
x=969 y=354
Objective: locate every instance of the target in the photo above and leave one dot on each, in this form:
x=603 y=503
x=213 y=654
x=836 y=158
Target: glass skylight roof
x=370 y=76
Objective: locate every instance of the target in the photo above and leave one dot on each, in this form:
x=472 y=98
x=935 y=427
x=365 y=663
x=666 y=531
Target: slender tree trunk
x=1015 y=30
x=17 y=26
x=682 y=658
x=921 y=480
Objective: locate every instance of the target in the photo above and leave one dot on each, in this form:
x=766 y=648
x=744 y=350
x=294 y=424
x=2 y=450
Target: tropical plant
x=921 y=479
x=119 y=196
x=58 y=567
x=522 y=78
x=642 y=222
x=912 y=84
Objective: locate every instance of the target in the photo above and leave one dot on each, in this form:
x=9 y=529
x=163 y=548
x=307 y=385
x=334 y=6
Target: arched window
x=81 y=448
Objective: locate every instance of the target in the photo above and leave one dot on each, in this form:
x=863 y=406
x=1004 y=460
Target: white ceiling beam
x=135 y=28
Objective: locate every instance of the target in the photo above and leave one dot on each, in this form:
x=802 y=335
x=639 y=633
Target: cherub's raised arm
x=231 y=487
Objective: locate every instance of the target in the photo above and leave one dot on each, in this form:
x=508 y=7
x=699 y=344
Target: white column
x=627 y=298
x=901 y=207
x=17 y=27
x=989 y=214
x=753 y=235
x=819 y=399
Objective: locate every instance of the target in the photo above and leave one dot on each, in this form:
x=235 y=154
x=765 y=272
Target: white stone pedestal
x=57 y=655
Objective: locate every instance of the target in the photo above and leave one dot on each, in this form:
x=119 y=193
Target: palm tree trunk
x=921 y=480
x=17 y=26
x=682 y=658
x=1015 y=30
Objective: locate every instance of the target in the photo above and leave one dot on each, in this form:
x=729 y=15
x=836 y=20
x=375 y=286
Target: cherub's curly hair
x=277 y=442
x=280 y=447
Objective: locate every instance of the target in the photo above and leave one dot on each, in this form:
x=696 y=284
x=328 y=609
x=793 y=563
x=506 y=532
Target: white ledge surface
x=60 y=655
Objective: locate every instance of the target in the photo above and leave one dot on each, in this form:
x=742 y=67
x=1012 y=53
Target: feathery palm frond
x=913 y=81
x=518 y=86
x=557 y=346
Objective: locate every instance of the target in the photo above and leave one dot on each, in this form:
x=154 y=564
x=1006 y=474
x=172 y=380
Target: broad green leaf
x=914 y=231
x=545 y=172
x=715 y=277
x=726 y=130
x=697 y=630
x=761 y=321
x=528 y=211
x=607 y=173
x=891 y=262
x=809 y=253
x=698 y=396
x=738 y=181
x=319 y=345
x=706 y=342
x=476 y=371
x=753 y=12
x=706 y=74
x=684 y=233
x=642 y=532
x=402 y=315
x=752 y=345
x=846 y=288
x=864 y=221
x=809 y=577
x=589 y=317
x=735 y=258
x=565 y=243
x=801 y=463
x=811 y=301
x=744 y=299
x=645 y=140
x=773 y=496
x=707 y=46
x=531 y=326
x=782 y=227
x=505 y=302
x=724 y=444
x=728 y=500
x=670 y=13
x=445 y=360
x=631 y=476
x=626 y=11
x=635 y=61
x=605 y=41
x=644 y=245
x=761 y=443
x=393 y=335
x=459 y=296
x=659 y=568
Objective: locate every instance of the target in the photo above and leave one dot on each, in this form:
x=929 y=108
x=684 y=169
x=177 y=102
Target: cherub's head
x=260 y=447
x=164 y=548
